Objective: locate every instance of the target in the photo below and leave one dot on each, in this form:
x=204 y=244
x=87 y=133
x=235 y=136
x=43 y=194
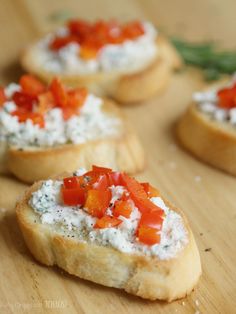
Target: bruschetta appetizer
x=128 y=62
x=106 y=227
x=208 y=128
x=45 y=130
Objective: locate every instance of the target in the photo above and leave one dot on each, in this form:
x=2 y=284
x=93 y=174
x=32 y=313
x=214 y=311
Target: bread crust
x=122 y=152
x=125 y=88
x=143 y=276
x=211 y=141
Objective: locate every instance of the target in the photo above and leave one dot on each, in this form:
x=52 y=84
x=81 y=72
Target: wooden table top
x=207 y=195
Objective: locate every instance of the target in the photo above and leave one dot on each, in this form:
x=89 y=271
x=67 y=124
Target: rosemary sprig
x=208 y=57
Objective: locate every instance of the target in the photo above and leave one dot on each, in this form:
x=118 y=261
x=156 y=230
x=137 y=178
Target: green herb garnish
x=61 y=16
x=208 y=57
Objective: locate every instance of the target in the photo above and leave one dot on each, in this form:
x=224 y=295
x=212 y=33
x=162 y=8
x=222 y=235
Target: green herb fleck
x=61 y=16
x=207 y=57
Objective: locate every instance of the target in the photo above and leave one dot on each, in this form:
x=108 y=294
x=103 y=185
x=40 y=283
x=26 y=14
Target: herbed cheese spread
x=76 y=222
x=218 y=104
x=128 y=56
x=90 y=124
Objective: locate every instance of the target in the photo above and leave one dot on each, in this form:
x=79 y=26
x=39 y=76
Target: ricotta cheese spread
x=92 y=123
x=208 y=101
x=130 y=56
x=75 y=222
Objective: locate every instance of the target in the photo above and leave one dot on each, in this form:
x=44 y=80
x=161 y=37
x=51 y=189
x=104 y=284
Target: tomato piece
x=24 y=115
x=68 y=113
x=76 y=97
x=114 y=178
x=122 y=208
x=87 y=52
x=73 y=196
x=107 y=222
x=97 y=202
x=31 y=85
x=59 y=92
x=227 y=97
x=138 y=194
x=133 y=29
x=60 y=42
x=79 y=27
x=150 y=190
x=46 y=102
x=101 y=170
x=148 y=235
x=102 y=183
x=37 y=118
x=153 y=220
x=3 y=97
x=24 y=100
x=71 y=182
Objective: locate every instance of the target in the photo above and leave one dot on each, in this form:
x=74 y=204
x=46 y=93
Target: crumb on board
x=208 y=249
x=197 y=178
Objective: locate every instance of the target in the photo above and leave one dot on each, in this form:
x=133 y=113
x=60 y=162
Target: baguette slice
x=125 y=88
x=140 y=275
x=122 y=152
x=209 y=140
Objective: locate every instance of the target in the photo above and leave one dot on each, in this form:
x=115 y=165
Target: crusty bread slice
x=146 y=277
x=211 y=141
x=122 y=152
x=123 y=87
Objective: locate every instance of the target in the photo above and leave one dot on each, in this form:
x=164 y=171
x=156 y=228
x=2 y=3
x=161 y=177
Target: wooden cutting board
x=207 y=196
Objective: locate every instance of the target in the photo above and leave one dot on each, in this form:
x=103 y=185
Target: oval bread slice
x=141 y=275
x=125 y=88
x=211 y=141
x=122 y=152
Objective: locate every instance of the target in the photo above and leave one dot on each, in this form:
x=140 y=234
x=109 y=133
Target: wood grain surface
x=207 y=196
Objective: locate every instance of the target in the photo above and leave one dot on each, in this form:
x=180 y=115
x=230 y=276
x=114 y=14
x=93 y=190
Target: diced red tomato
x=138 y=194
x=68 y=113
x=101 y=170
x=102 y=183
x=35 y=117
x=150 y=190
x=60 y=42
x=71 y=182
x=76 y=97
x=125 y=196
x=227 y=97
x=3 y=97
x=24 y=100
x=87 y=52
x=97 y=202
x=107 y=222
x=59 y=92
x=31 y=85
x=153 y=220
x=114 y=178
x=73 y=196
x=148 y=235
x=122 y=208
x=133 y=30
x=46 y=102
x=79 y=27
